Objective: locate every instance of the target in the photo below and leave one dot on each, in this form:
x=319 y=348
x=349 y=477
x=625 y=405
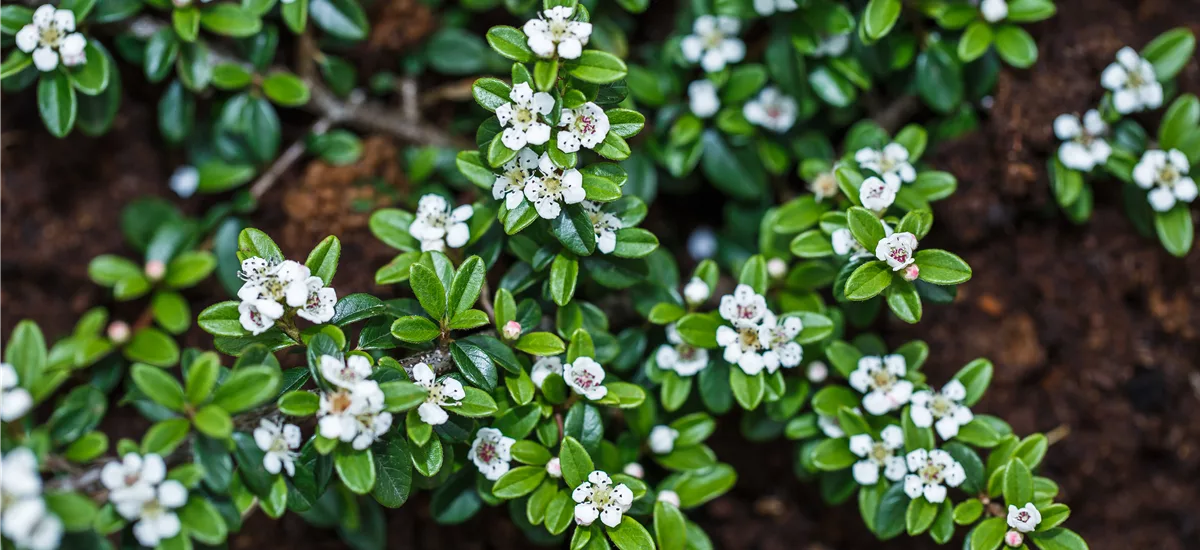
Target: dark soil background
x=1093 y=329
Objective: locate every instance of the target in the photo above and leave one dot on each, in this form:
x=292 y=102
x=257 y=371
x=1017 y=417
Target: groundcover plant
x=545 y=354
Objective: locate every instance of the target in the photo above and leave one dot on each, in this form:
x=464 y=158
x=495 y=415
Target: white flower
x=552 y=187
x=824 y=186
x=743 y=305
x=1165 y=174
x=897 y=250
x=844 y=243
x=771 y=110
x=832 y=46
x=184 y=181
x=1024 y=519
x=255 y=270
x=634 y=469
x=878 y=455
x=286 y=282
x=891 y=164
x=597 y=497
x=437 y=226
x=19 y=477
x=544 y=367
x=554 y=468
x=279 y=442
x=662 y=439
x=156 y=518
x=696 y=291
x=945 y=407
x=258 y=316
x=876 y=195
x=742 y=346
x=510 y=185
x=586 y=125
x=445 y=393
x=703 y=99
x=24 y=519
x=15 y=401
x=345 y=374
x=556 y=32
x=778 y=338
x=586 y=377
x=668 y=496
x=354 y=415
x=879 y=378
x=1083 y=146
x=713 y=42
x=321 y=301
x=676 y=355
x=131 y=481
x=831 y=426
x=523 y=113
x=702 y=243
x=929 y=474
x=491 y=452
x=769 y=7
x=50 y=35
x=776 y=268
x=994 y=11
x=817 y=372
x=1133 y=83
x=605 y=224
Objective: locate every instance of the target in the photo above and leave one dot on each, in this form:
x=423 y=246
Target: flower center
x=898 y=254
x=602 y=495
x=941 y=406
x=748 y=338
x=153 y=509
x=685 y=352
x=51 y=36
x=553 y=185
x=713 y=39
x=825 y=184
x=1133 y=79
x=273 y=288
x=1023 y=516
x=931 y=473
x=1168 y=175
x=585 y=124
x=879 y=453
x=278 y=445
x=486 y=452
x=558 y=27
x=436 y=395
x=340 y=401
x=585 y=379
x=524 y=117
x=882 y=380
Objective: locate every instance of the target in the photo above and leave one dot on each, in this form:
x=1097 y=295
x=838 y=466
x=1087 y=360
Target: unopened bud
x=1013 y=539
x=554 y=468
x=669 y=496
x=817 y=372
x=912 y=272
x=118 y=332
x=633 y=469
x=512 y=330
x=181 y=3
x=155 y=269
x=776 y=268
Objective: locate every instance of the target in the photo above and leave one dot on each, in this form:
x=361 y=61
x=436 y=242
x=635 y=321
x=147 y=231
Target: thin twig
x=296 y=149
x=485 y=300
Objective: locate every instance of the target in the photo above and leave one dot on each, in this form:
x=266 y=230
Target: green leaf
x=159 y=386
x=975 y=377
x=1058 y=539
x=1170 y=52
x=920 y=516
x=832 y=455
x=866 y=228
x=76 y=511
x=1018 y=483
x=563 y=274
x=356 y=469
x=573 y=228
x=152 y=346
x=26 y=352
x=941 y=267
x=975 y=41
x=510 y=43
x=14 y=17
x=939 y=79
x=295 y=15
x=747 y=390
x=247 y=387
x=230 y=20
x=519 y=481
x=670 y=526
x=625 y=122
x=879 y=17
x=903 y=300
x=57 y=103
x=343 y=19
x=541 y=343
x=699 y=329
x=429 y=290
x=868 y=280
x=464 y=291
x=285 y=89
x=214 y=422
x=599 y=67
x=575 y=462
x=323 y=260
x=92 y=77
x=203 y=522
x=630 y=535
x=1029 y=11
x=968 y=511
x=988 y=535
x=1175 y=230
x=1015 y=46
x=165 y=436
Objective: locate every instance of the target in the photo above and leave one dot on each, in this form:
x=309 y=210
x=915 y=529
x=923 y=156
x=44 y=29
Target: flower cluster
x=598 y=498
x=352 y=409
x=140 y=492
x=757 y=339
x=437 y=226
x=24 y=519
x=52 y=36
x=270 y=289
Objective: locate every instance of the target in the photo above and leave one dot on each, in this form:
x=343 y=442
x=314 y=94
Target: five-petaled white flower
x=586 y=377
x=878 y=455
x=897 y=250
x=128 y=479
x=345 y=374
x=154 y=511
x=679 y=356
x=510 y=185
x=743 y=305
x=544 y=367
x=772 y=110
x=1133 y=83
x=702 y=98
x=605 y=224
x=1083 y=146
x=51 y=35
x=354 y=414
x=891 y=164
x=258 y=316
x=24 y=519
x=880 y=380
x=586 y=125
x=714 y=42
x=743 y=347
x=552 y=187
x=769 y=7
x=556 y=32
x=943 y=410
x=1165 y=174
x=491 y=452
x=598 y=498
x=520 y=118
x=15 y=401
x=929 y=474
x=696 y=291
x=437 y=226
x=993 y=11
x=1024 y=519
x=662 y=439
x=876 y=195
x=824 y=186
x=447 y=392
x=779 y=338
x=279 y=442
x=269 y=287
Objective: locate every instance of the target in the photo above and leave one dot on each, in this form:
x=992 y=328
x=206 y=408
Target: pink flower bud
x=118 y=332
x=776 y=268
x=818 y=371
x=912 y=272
x=512 y=330
x=155 y=269
x=554 y=468
x=1013 y=539
x=633 y=469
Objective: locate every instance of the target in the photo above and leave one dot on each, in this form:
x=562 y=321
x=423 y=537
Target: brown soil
x=1092 y=328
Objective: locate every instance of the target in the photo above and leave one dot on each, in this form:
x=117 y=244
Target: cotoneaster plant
x=512 y=356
